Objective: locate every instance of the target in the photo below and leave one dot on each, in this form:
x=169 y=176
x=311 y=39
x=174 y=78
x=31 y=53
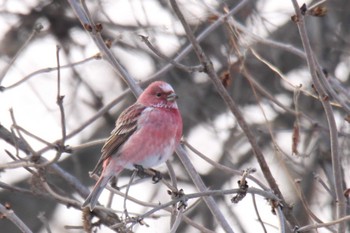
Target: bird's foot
x=157 y=176
x=140 y=170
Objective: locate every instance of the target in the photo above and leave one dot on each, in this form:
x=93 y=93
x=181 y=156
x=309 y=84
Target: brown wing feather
x=125 y=126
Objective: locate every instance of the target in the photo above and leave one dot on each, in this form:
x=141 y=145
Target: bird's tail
x=91 y=200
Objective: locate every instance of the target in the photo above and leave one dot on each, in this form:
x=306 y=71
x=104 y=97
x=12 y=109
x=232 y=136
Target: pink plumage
x=146 y=134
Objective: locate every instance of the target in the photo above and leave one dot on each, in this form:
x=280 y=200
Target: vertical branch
x=258 y=214
x=173 y=180
x=333 y=133
x=59 y=99
x=209 y=69
x=209 y=200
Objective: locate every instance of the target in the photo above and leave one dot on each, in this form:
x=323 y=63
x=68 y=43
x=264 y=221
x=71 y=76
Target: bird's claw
x=157 y=176
x=140 y=170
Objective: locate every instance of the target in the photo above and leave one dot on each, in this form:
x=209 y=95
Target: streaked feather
x=125 y=126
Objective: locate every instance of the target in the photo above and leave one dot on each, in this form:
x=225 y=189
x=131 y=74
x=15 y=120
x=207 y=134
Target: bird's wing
x=125 y=126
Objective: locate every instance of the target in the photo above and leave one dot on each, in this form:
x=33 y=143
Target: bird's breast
x=154 y=140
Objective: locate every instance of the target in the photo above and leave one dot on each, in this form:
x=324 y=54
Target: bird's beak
x=172 y=97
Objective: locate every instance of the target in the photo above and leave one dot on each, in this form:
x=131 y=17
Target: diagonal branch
x=83 y=15
x=10 y=214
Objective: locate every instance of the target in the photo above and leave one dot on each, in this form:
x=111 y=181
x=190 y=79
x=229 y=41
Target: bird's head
x=159 y=94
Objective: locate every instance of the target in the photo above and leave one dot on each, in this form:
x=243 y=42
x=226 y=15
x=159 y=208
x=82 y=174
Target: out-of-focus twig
x=258 y=214
x=310 y=213
x=10 y=215
x=50 y=69
x=37 y=28
x=21 y=138
x=189 y=69
x=177 y=222
x=206 y=32
x=316 y=226
x=59 y=99
x=44 y=220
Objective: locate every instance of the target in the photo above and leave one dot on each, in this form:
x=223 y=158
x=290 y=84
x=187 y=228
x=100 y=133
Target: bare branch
x=202 y=188
x=59 y=99
x=316 y=226
x=324 y=98
x=36 y=30
x=83 y=15
x=188 y=69
x=209 y=69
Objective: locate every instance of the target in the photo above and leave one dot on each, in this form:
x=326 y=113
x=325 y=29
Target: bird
x=145 y=135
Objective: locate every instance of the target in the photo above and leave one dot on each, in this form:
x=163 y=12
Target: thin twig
x=14 y=188
x=257 y=214
x=97 y=115
x=83 y=15
x=134 y=173
x=62 y=199
x=306 y=206
x=173 y=180
x=206 y=32
x=223 y=167
x=17 y=164
x=326 y=84
x=324 y=185
x=37 y=28
x=59 y=99
x=172 y=174
x=10 y=137
x=194 y=223
x=32 y=135
x=209 y=193
x=43 y=219
x=87 y=144
x=20 y=136
x=50 y=69
x=189 y=69
x=316 y=226
x=177 y=222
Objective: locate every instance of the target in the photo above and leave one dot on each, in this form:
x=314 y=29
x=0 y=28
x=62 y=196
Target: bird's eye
x=159 y=94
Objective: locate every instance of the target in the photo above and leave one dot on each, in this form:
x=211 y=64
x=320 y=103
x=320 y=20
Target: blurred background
x=257 y=53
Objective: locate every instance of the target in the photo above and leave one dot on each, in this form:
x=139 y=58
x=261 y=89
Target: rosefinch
x=145 y=134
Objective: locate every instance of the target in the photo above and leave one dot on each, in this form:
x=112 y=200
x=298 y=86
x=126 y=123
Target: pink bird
x=145 y=134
